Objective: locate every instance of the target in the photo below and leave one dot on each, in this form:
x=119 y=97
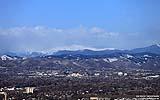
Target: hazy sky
x=40 y=25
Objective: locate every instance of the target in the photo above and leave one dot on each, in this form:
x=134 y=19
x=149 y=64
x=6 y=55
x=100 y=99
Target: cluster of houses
x=3 y=91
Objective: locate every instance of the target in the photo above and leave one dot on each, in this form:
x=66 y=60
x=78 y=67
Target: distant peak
x=5 y=57
x=158 y=45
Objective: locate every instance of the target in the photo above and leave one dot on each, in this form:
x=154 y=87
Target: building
x=29 y=89
x=4 y=95
x=99 y=98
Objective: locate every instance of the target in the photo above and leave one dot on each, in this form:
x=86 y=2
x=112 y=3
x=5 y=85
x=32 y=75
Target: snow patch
x=155 y=76
x=5 y=57
x=24 y=58
x=105 y=60
x=158 y=45
x=129 y=56
x=112 y=59
x=96 y=60
x=146 y=56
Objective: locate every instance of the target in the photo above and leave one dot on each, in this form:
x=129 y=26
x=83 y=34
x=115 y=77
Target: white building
x=5 y=95
x=29 y=89
x=99 y=98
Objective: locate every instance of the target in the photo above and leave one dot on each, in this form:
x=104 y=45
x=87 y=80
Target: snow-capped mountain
x=80 y=60
x=154 y=49
x=6 y=57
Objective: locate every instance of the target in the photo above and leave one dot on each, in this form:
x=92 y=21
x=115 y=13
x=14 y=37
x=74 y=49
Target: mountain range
x=154 y=49
x=143 y=58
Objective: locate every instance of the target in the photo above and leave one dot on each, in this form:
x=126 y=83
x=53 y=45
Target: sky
x=46 y=25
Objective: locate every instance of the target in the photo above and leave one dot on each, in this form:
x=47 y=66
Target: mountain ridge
x=155 y=49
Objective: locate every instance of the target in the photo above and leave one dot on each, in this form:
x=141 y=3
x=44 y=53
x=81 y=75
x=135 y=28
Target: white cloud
x=97 y=30
x=45 y=30
x=46 y=38
x=75 y=47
